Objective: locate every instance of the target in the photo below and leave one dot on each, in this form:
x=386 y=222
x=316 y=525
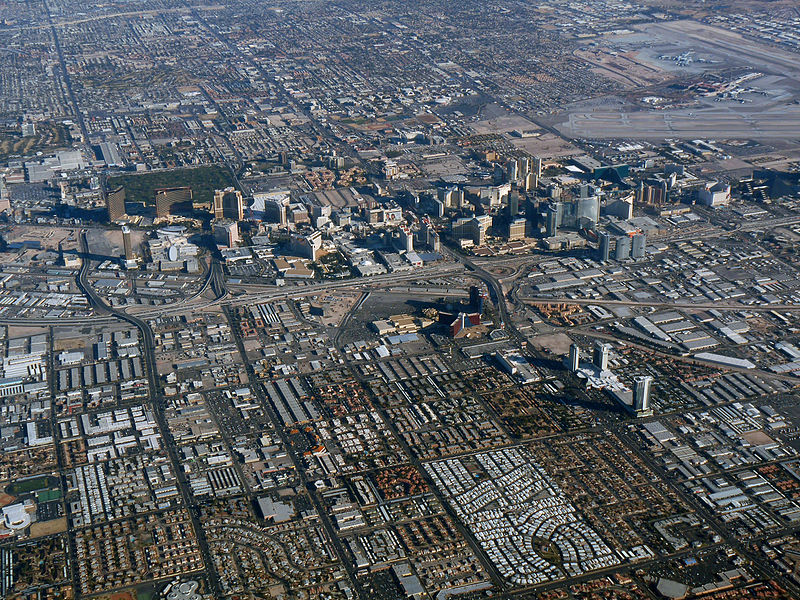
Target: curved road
x=156 y=398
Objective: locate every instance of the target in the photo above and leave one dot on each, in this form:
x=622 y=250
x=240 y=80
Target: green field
x=141 y=187
x=30 y=485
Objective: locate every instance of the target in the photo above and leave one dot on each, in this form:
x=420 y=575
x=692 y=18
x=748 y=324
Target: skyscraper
x=115 y=204
x=605 y=246
x=516 y=229
x=641 y=394
x=126 y=242
x=531 y=182
x=406 y=238
x=5 y=196
x=623 y=250
x=512 y=170
x=524 y=165
x=574 y=358
x=551 y=220
x=172 y=200
x=588 y=209
x=513 y=204
x=601 y=354
x=536 y=167
x=226 y=233
x=228 y=204
x=639 y=243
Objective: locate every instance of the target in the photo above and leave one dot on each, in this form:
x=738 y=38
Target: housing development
x=438 y=300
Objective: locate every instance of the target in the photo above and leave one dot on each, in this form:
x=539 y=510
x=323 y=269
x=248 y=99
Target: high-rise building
x=476 y=299
x=447 y=196
x=512 y=170
x=551 y=220
x=406 y=238
x=5 y=196
x=531 y=182
x=228 y=204
x=513 y=204
x=126 y=242
x=714 y=194
x=129 y=259
x=588 y=210
x=524 y=166
x=536 y=167
x=307 y=245
x=272 y=207
x=434 y=242
x=641 y=394
x=652 y=193
x=479 y=228
x=605 y=246
x=516 y=229
x=391 y=170
x=601 y=354
x=574 y=358
x=115 y=204
x=226 y=232
x=639 y=242
x=623 y=250
x=474 y=228
x=170 y=201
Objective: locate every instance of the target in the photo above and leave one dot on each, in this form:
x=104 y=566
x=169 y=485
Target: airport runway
x=772 y=116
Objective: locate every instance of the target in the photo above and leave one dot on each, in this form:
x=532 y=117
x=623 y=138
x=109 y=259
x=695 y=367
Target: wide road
x=665 y=305
x=65 y=74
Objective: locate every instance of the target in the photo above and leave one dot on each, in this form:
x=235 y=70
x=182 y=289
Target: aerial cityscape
x=440 y=300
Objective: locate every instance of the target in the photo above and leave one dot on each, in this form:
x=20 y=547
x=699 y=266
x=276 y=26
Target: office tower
x=516 y=229
x=276 y=209
x=551 y=220
x=652 y=193
x=406 y=239
x=512 y=170
x=173 y=200
x=574 y=358
x=601 y=354
x=531 y=182
x=639 y=243
x=524 y=166
x=605 y=246
x=126 y=242
x=476 y=299
x=434 y=243
x=306 y=246
x=588 y=209
x=641 y=393
x=479 y=227
x=5 y=196
x=228 y=204
x=272 y=207
x=623 y=250
x=226 y=233
x=536 y=167
x=513 y=204
x=115 y=204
